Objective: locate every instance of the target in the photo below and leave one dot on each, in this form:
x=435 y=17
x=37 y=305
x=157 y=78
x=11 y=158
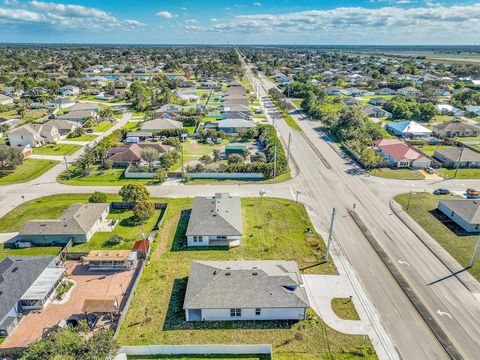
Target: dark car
x=441 y=192
x=89 y=131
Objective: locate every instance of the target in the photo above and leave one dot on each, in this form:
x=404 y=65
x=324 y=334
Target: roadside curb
x=436 y=249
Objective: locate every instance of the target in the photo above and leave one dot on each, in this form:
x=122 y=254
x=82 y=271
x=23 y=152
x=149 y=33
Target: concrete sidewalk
x=321 y=289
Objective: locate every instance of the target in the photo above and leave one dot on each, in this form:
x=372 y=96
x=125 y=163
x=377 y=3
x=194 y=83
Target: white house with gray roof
x=245 y=290
x=465 y=213
x=79 y=222
x=215 y=221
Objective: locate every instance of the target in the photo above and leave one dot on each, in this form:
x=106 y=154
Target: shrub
x=97 y=197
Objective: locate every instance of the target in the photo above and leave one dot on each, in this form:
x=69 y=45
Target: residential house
x=63 y=103
x=215 y=221
x=34 y=135
x=161 y=124
x=122 y=156
x=69 y=90
x=446 y=109
x=473 y=109
x=352 y=92
x=332 y=91
x=451 y=157
x=135 y=137
x=408 y=91
x=78 y=223
x=385 y=91
x=231 y=126
x=245 y=290
x=65 y=126
x=171 y=108
x=465 y=213
x=351 y=101
x=27 y=283
x=378 y=101
x=5 y=100
x=456 y=128
x=376 y=112
x=408 y=129
x=116 y=93
x=398 y=154
x=111 y=259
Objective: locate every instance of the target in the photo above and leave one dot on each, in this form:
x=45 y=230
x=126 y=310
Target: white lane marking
x=401 y=262
x=443 y=313
x=293 y=194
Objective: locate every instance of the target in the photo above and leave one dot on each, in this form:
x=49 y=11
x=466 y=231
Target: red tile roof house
x=122 y=156
x=400 y=155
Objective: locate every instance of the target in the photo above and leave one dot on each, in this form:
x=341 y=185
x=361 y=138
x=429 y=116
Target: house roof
x=133 y=152
x=83 y=106
x=383 y=142
x=80 y=114
x=235 y=123
x=453 y=153
x=17 y=274
x=455 y=126
x=43 y=284
x=161 y=124
x=23 y=130
x=78 y=219
x=409 y=127
x=401 y=151
x=469 y=210
x=244 y=284
x=107 y=255
x=5 y=97
x=218 y=215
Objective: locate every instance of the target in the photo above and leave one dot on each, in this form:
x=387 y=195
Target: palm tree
x=85 y=161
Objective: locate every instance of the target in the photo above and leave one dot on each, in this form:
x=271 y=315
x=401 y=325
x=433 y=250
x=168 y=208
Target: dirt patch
x=164 y=236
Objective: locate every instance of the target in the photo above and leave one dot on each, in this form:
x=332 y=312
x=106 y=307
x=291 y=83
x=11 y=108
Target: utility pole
x=66 y=164
x=409 y=198
x=288 y=149
x=475 y=252
x=330 y=234
x=296 y=196
x=181 y=161
x=458 y=162
x=274 y=162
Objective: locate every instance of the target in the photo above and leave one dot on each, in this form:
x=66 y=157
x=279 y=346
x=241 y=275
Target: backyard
x=57 y=149
x=30 y=169
x=453 y=239
x=273 y=229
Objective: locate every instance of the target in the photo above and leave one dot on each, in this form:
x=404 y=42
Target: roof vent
x=228 y=274
x=254 y=273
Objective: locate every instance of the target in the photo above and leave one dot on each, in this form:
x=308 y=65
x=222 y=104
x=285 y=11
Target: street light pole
x=458 y=162
x=475 y=252
x=409 y=198
x=330 y=234
x=66 y=164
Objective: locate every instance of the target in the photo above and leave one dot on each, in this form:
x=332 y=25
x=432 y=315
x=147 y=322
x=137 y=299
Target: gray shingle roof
x=218 y=215
x=78 y=219
x=453 y=153
x=244 y=284
x=17 y=274
x=468 y=210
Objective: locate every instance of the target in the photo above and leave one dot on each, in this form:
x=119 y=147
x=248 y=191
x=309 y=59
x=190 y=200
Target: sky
x=299 y=22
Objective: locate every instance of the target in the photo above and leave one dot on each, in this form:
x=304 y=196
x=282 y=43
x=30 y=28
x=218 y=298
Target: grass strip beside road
x=29 y=170
x=57 y=149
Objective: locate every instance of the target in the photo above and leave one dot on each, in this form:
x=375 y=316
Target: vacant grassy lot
x=461 y=174
x=84 y=137
x=273 y=229
x=193 y=150
x=103 y=126
x=57 y=149
x=401 y=174
x=99 y=177
x=453 y=239
x=30 y=169
x=345 y=309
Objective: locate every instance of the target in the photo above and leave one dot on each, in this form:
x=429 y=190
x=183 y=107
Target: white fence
x=256 y=176
x=131 y=174
x=197 y=349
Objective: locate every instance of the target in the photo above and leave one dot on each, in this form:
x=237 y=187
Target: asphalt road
x=332 y=183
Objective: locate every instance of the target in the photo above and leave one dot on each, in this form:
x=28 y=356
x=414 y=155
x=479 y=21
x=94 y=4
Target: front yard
x=57 y=149
x=453 y=239
x=30 y=169
x=84 y=137
x=461 y=174
x=399 y=174
x=273 y=229
x=103 y=126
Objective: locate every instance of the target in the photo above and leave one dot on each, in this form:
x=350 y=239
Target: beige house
x=34 y=135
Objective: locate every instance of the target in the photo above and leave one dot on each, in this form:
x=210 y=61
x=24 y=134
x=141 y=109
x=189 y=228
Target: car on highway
x=441 y=191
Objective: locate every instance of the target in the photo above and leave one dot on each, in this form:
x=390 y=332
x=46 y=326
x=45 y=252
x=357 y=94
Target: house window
x=452 y=214
x=258 y=312
x=197 y=239
x=235 y=312
x=221 y=238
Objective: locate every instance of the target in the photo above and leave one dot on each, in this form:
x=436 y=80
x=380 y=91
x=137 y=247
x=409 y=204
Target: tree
x=161 y=175
x=97 y=197
x=149 y=155
x=144 y=210
x=9 y=157
x=167 y=160
x=68 y=343
x=217 y=155
x=235 y=159
x=85 y=161
x=133 y=193
x=205 y=160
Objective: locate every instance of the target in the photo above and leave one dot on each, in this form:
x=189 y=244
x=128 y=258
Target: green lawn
x=461 y=174
x=84 y=137
x=103 y=126
x=453 y=239
x=57 y=149
x=30 y=169
x=468 y=139
x=273 y=229
x=278 y=179
x=430 y=149
x=344 y=309
x=132 y=126
x=197 y=357
x=400 y=174
x=193 y=150
x=297 y=102
x=100 y=177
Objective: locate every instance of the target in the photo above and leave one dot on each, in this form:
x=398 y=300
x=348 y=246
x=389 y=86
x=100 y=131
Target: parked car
x=89 y=131
x=472 y=192
x=430 y=170
x=441 y=191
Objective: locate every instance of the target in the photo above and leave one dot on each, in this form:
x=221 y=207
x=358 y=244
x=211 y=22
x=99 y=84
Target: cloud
x=62 y=15
x=358 y=21
x=165 y=14
x=257 y=3
x=214 y=20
